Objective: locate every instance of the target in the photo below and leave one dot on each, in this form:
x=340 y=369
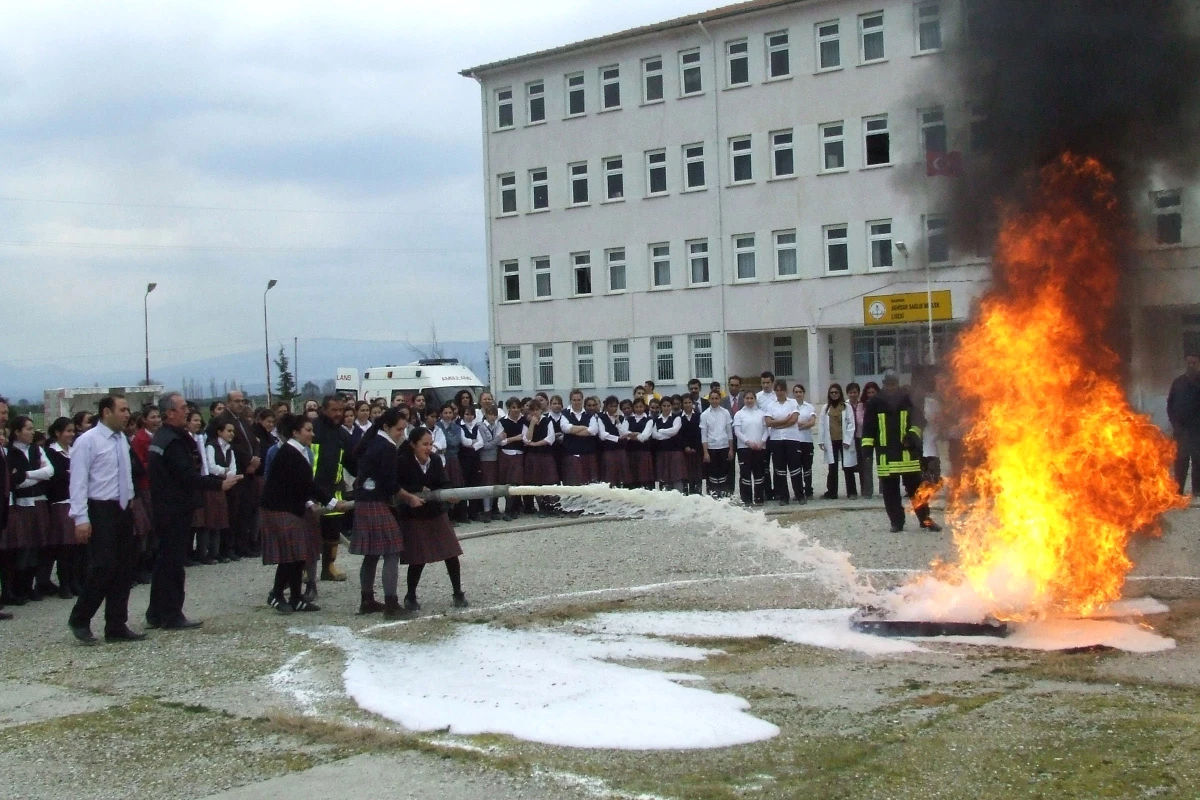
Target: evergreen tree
x=285 y=390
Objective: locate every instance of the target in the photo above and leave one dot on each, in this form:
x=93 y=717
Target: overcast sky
x=212 y=146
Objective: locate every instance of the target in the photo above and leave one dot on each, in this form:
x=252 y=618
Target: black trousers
x=243 y=513
x=806 y=462
x=889 y=487
x=113 y=553
x=718 y=471
x=789 y=469
x=831 y=480
x=752 y=466
x=1188 y=455
x=174 y=527
x=866 y=467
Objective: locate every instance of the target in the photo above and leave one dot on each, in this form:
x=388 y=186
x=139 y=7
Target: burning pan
x=872 y=621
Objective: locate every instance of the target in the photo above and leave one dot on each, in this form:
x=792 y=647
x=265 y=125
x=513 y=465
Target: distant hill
x=319 y=360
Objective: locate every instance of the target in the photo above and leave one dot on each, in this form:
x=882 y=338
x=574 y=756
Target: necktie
x=124 y=474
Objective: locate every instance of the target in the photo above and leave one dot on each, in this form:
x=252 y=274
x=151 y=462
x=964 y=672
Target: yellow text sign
x=898 y=309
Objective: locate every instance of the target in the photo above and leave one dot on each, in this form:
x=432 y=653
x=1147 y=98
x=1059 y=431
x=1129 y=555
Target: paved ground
x=193 y=715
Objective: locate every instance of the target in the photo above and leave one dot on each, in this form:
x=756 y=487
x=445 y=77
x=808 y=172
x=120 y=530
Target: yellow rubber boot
x=329 y=570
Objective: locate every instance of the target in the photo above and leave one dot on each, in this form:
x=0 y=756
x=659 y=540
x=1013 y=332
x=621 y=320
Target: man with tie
x=175 y=493
x=101 y=491
x=243 y=498
x=733 y=401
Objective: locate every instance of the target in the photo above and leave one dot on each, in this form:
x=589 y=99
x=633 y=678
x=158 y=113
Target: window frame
x=534 y=185
x=578 y=359
x=614 y=357
x=779 y=247
x=979 y=129
x=926 y=122
x=696 y=256
x=655 y=260
x=874 y=237
x=657 y=353
x=541 y=268
x=574 y=179
x=824 y=140
x=650 y=168
x=783 y=346
x=501 y=104
x=510 y=268
x=605 y=82
x=730 y=57
x=777 y=148
x=608 y=173
x=745 y=153
x=570 y=90
x=648 y=75
x=686 y=67
x=530 y=98
x=540 y=360
x=500 y=187
x=843 y=241
x=739 y=249
x=942 y=222
x=610 y=263
x=820 y=38
x=697 y=351
x=863 y=34
x=688 y=161
x=867 y=133
x=581 y=262
x=772 y=49
x=938 y=18
x=512 y=358
x=1161 y=211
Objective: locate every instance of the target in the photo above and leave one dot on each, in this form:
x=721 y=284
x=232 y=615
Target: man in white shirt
x=782 y=413
x=750 y=432
x=765 y=396
x=101 y=491
x=716 y=440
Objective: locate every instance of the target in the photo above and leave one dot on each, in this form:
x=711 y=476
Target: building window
x=656 y=172
x=933 y=130
x=829 y=45
x=877 y=141
x=539 y=189
x=693 y=166
x=575 y=95
x=832 y=361
x=785 y=254
x=929 y=27
x=585 y=364
x=833 y=146
x=660 y=265
x=545 y=365
x=512 y=368
x=779 y=63
x=783 y=161
x=740 y=159
x=504 y=108
x=981 y=130
x=743 y=256
x=508 y=193
x=583 y=273
x=1190 y=324
x=541 y=276
x=619 y=355
x=937 y=240
x=878 y=349
x=652 y=80
x=689 y=73
x=837 y=257
x=1168 y=216
x=610 y=87
x=579 y=183
x=702 y=357
x=614 y=178
x=511 y=271
x=664 y=359
x=535 y=102
x=616 y=269
x=781 y=357
x=737 y=62
x=879 y=242
x=698 y=262
x=870 y=38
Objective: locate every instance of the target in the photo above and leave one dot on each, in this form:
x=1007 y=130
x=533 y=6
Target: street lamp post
x=903 y=248
x=267 y=338
x=146 y=325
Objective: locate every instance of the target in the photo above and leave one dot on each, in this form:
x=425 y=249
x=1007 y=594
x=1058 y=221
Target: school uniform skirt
x=489 y=472
x=143 y=523
x=287 y=537
x=580 y=470
x=670 y=466
x=693 y=465
x=454 y=471
x=429 y=540
x=539 y=467
x=216 y=510
x=62 y=527
x=614 y=466
x=511 y=471
x=376 y=530
x=28 y=527
x=641 y=467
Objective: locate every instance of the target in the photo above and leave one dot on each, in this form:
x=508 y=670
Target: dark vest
x=637 y=426
x=611 y=429
x=512 y=428
x=20 y=464
x=577 y=445
x=675 y=442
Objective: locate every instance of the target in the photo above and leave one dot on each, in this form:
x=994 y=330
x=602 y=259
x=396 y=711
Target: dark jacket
x=333 y=451
x=290 y=485
x=6 y=480
x=265 y=439
x=245 y=442
x=892 y=425
x=378 y=462
x=19 y=465
x=58 y=488
x=175 y=481
x=1183 y=404
x=414 y=481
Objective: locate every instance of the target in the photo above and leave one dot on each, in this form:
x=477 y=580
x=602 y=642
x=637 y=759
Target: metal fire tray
x=872 y=621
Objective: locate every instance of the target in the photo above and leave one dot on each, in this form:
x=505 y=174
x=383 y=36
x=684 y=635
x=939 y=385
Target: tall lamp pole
x=146 y=325
x=267 y=338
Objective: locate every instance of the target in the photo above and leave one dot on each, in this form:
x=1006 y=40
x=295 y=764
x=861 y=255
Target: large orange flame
x=1064 y=470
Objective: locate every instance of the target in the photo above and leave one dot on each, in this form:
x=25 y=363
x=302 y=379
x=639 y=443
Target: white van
x=439 y=379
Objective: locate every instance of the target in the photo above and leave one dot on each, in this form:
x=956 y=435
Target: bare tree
x=428 y=350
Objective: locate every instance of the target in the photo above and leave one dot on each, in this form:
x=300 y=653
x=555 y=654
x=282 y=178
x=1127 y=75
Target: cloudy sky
x=212 y=146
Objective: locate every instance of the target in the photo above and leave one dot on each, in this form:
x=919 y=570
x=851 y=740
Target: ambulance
x=439 y=379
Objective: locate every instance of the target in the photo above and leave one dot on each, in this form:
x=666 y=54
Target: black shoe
x=5 y=615
x=310 y=593
x=392 y=608
x=208 y=562
x=304 y=605
x=83 y=633
x=143 y=578
x=931 y=526
x=123 y=635
x=369 y=605
x=65 y=593
x=189 y=563
x=460 y=600
x=277 y=602
x=223 y=559
x=35 y=594
x=828 y=496
x=181 y=623
x=897 y=529
x=48 y=588
x=411 y=604
x=784 y=502
x=235 y=557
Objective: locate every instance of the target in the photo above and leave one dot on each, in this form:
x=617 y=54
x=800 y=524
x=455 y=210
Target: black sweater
x=58 y=488
x=290 y=485
x=377 y=462
x=414 y=481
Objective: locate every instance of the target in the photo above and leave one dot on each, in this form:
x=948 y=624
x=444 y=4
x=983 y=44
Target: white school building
x=750 y=188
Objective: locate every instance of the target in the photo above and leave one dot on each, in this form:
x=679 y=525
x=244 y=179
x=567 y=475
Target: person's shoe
x=897 y=529
x=235 y=557
x=370 y=605
x=65 y=593
x=143 y=578
x=277 y=602
x=392 y=608
x=507 y=517
x=802 y=499
x=83 y=633
x=48 y=588
x=460 y=600
x=182 y=623
x=310 y=593
x=223 y=559
x=828 y=496
x=304 y=605
x=411 y=604
x=5 y=615
x=784 y=502
x=124 y=634
x=208 y=562
x=931 y=526
x=35 y=594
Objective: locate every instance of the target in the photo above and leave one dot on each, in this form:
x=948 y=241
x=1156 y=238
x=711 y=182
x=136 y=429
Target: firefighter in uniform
x=893 y=428
x=333 y=452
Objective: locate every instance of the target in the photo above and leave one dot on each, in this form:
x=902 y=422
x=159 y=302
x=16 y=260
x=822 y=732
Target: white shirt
x=620 y=424
x=749 y=426
x=777 y=412
x=764 y=399
x=33 y=477
x=501 y=434
x=210 y=458
x=100 y=470
x=304 y=451
x=593 y=426
x=807 y=412
x=551 y=433
x=716 y=428
x=662 y=434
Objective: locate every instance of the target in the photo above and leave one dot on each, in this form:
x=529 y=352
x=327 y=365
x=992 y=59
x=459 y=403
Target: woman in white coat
x=837 y=442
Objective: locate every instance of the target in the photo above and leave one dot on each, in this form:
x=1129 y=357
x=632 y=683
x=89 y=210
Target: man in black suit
x=243 y=498
x=4 y=488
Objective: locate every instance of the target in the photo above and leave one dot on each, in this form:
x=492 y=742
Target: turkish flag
x=943 y=163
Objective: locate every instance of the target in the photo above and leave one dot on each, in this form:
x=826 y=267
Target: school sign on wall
x=898 y=309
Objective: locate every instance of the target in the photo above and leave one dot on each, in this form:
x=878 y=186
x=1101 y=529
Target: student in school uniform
x=511 y=468
x=61 y=545
x=200 y=536
x=470 y=432
x=717 y=444
x=614 y=430
x=669 y=466
x=750 y=432
x=637 y=446
x=653 y=410
x=428 y=535
x=781 y=417
x=539 y=456
x=581 y=430
x=693 y=446
x=806 y=422
x=220 y=460
x=447 y=425
x=555 y=413
x=488 y=444
x=376 y=535
x=28 y=529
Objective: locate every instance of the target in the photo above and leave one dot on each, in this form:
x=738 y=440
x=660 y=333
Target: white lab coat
x=849 y=457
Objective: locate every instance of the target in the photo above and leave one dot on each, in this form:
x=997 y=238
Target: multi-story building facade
x=750 y=188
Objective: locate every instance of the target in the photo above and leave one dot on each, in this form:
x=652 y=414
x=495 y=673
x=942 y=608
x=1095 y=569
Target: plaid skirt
x=615 y=464
x=669 y=466
x=512 y=470
x=539 y=467
x=641 y=467
x=62 y=527
x=454 y=471
x=287 y=538
x=199 y=518
x=693 y=465
x=580 y=470
x=488 y=471
x=376 y=531
x=216 y=510
x=429 y=540
x=143 y=522
x=28 y=527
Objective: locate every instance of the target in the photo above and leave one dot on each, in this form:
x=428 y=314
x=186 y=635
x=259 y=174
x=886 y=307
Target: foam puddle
x=571 y=685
